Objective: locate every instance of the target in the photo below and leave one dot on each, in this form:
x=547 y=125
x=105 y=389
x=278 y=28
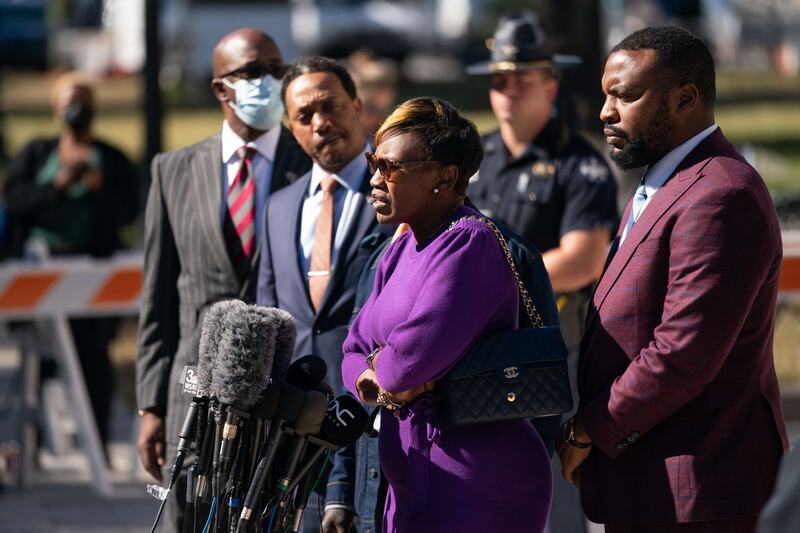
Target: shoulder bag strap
x=533 y=313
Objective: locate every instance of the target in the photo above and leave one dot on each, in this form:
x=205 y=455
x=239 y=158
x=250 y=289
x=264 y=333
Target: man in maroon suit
x=680 y=425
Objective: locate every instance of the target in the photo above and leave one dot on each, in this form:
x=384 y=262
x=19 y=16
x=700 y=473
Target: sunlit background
x=424 y=45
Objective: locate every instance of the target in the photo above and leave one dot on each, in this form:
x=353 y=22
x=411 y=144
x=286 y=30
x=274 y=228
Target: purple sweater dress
x=427 y=307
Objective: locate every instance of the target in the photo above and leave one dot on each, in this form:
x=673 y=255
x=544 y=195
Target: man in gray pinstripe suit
x=194 y=256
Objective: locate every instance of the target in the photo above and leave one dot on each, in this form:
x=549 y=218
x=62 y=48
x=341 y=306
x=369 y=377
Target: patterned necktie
x=636 y=209
x=320 y=265
x=240 y=223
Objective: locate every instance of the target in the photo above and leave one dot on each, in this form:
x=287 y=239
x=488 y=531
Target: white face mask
x=258 y=102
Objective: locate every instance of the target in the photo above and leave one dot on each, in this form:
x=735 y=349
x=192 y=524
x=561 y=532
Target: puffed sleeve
x=468 y=289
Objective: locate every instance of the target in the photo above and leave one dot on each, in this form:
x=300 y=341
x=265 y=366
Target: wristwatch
x=571 y=440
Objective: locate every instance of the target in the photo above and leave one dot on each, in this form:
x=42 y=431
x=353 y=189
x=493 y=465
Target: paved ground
x=63 y=502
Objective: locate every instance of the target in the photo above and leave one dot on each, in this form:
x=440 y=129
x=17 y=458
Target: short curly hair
x=681 y=57
x=313 y=64
x=443 y=134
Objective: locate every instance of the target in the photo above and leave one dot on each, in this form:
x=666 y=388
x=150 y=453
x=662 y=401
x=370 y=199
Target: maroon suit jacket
x=676 y=377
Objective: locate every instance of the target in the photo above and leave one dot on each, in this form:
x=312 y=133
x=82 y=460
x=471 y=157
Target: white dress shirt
x=347 y=201
x=657 y=175
x=263 y=162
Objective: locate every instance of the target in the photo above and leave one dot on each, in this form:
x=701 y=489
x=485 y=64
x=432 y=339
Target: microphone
x=309 y=422
x=307 y=372
x=198 y=382
x=289 y=404
x=286 y=335
x=241 y=370
x=345 y=421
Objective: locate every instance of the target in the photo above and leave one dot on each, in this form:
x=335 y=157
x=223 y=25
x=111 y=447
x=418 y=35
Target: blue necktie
x=636 y=209
x=638 y=201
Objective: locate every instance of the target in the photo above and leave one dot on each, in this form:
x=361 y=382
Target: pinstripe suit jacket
x=677 y=383
x=186 y=264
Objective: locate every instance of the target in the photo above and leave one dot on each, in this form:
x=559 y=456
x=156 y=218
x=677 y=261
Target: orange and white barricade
x=51 y=292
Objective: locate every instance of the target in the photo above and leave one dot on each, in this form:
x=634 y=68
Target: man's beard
x=649 y=145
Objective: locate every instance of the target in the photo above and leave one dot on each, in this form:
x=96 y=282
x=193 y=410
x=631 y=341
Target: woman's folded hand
x=368 y=388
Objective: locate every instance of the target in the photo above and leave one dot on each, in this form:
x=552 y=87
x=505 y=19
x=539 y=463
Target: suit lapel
x=206 y=186
x=283 y=170
x=362 y=221
x=689 y=171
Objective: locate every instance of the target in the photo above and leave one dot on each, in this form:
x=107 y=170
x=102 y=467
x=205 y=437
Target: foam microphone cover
x=285 y=337
x=345 y=421
x=309 y=421
x=241 y=370
x=210 y=334
x=307 y=372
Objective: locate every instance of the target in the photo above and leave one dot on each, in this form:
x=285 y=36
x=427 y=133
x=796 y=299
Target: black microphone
x=309 y=422
x=345 y=421
x=307 y=372
x=289 y=404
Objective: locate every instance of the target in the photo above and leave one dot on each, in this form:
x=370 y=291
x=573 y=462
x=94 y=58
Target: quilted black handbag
x=509 y=374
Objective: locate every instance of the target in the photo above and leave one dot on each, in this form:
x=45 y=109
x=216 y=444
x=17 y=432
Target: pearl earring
x=435 y=191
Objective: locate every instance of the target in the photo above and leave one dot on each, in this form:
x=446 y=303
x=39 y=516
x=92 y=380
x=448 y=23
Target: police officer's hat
x=520 y=44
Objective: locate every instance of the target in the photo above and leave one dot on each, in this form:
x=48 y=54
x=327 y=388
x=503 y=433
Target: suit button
x=631 y=439
x=532 y=196
x=620 y=445
x=368 y=530
x=635 y=435
x=317 y=332
x=496 y=198
x=373 y=473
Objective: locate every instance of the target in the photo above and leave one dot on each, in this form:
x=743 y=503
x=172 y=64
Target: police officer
x=542 y=178
x=539 y=175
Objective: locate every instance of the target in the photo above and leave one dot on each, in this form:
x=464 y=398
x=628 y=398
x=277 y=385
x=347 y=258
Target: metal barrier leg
x=89 y=436
x=30 y=400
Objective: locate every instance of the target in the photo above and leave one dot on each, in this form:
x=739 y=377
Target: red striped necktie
x=240 y=222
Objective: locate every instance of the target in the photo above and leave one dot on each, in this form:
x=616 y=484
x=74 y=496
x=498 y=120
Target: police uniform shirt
x=559 y=184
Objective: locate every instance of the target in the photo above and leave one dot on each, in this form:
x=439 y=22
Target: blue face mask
x=258 y=102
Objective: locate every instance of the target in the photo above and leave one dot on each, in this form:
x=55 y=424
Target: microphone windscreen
x=210 y=333
x=345 y=421
x=241 y=370
x=307 y=372
x=309 y=421
x=286 y=335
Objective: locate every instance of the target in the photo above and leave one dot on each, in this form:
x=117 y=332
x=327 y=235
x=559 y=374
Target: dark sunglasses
x=252 y=72
x=387 y=166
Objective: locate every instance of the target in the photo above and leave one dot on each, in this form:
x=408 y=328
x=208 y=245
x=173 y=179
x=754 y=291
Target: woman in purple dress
x=437 y=288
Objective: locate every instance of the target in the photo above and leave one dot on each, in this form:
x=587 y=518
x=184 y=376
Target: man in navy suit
x=321 y=230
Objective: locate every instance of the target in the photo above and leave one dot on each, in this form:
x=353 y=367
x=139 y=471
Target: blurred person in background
x=74 y=193
x=203 y=228
x=543 y=179
x=376 y=82
x=319 y=233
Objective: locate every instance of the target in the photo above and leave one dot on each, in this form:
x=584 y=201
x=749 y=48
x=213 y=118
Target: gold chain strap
x=533 y=313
